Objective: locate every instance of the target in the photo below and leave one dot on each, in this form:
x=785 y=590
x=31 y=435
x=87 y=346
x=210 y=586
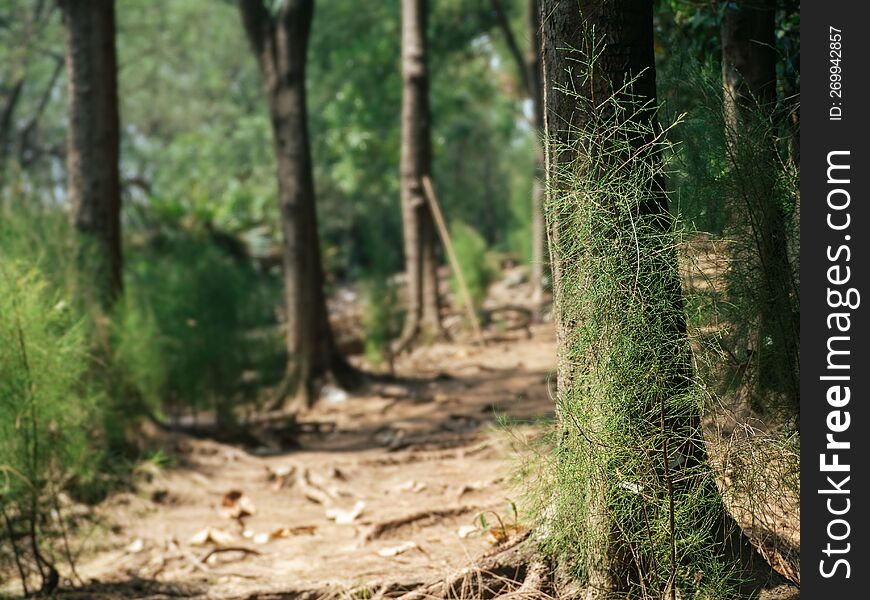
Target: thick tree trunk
x=625 y=28
x=749 y=80
x=280 y=44
x=93 y=146
x=423 y=320
x=635 y=459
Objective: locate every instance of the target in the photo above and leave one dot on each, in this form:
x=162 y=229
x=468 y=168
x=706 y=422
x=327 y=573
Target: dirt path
x=389 y=498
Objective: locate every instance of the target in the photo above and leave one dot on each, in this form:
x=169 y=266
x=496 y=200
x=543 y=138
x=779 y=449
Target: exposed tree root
x=221 y=550
x=511 y=570
x=379 y=530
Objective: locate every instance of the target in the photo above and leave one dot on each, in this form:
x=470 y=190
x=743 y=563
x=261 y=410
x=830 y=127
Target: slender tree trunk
x=748 y=57
x=7 y=110
x=423 y=318
x=749 y=79
x=533 y=65
x=93 y=146
x=280 y=44
x=529 y=66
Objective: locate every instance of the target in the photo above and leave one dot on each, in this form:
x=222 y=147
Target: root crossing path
x=384 y=496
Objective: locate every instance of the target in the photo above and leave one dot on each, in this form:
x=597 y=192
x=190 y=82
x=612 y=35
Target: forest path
x=409 y=469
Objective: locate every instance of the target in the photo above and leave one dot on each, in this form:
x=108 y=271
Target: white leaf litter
x=218 y=537
x=466 y=530
x=412 y=486
x=396 y=550
x=630 y=486
x=345 y=517
x=333 y=394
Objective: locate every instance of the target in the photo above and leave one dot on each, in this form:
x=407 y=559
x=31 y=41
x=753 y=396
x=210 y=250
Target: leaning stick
x=454 y=263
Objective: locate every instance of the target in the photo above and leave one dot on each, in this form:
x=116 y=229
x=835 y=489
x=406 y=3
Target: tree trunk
x=634 y=490
x=748 y=57
x=529 y=66
x=93 y=140
x=536 y=88
x=423 y=318
x=280 y=44
x=749 y=79
x=626 y=29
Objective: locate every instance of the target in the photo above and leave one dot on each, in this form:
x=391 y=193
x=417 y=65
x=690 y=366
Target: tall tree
x=529 y=67
x=634 y=492
x=749 y=60
x=93 y=140
x=279 y=40
x=423 y=319
x=748 y=57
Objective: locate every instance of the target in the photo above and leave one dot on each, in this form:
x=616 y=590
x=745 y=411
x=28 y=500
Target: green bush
x=381 y=318
x=185 y=334
x=478 y=266
x=47 y=408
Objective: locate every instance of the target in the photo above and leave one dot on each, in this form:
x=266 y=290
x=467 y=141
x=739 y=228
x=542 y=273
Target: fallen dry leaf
x=218 y=537
x=396 y=550
x=282 y=476
x=345 y=517
x=281 y=533
x=262 y=538
x=312 y=488
x=285 y=532
x=412 y=486
x=235 y=505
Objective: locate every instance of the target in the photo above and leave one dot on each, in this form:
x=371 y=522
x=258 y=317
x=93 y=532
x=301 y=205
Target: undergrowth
x=47 y=419
x=478 y=265
x=196 y=330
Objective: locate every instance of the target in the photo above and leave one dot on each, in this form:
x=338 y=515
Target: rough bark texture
x=626 y=28
x=749 y=79
x=93 y=144
x=421 y=262
x=280 y=42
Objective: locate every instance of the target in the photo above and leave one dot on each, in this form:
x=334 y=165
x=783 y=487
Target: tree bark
x=423 y=317
x=654 y=382
x=626 y=29
x=529 y=67
x=539 y=248
x=93 y=141
x=749 y=79
x=279 y=42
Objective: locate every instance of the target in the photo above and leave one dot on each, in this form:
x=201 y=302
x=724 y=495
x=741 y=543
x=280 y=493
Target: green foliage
x=381 y=318
x=741 y=184
x=47 y=408
x=478 y=266
x=186 y=331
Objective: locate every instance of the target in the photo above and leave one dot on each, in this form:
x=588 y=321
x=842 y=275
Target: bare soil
x=420 y=461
